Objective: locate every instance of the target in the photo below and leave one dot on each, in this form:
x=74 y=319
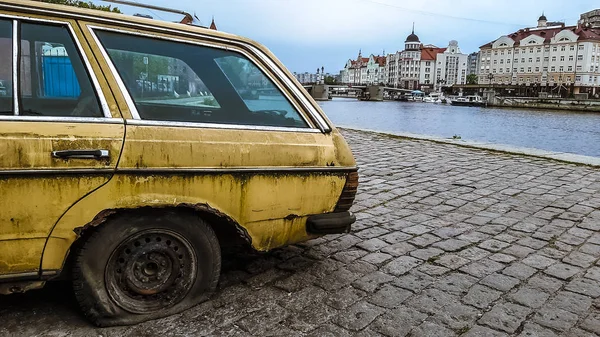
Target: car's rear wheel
x=140 y=267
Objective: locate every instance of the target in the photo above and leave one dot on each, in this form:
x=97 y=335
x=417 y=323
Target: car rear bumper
x=330 y=223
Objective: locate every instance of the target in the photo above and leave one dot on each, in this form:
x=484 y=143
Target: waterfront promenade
x=449 y=241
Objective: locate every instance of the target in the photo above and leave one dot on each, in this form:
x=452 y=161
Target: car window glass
x=174 y=81
x=54 y=80
x=6 y=67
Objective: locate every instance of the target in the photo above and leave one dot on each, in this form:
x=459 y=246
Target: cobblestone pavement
x=449 y=241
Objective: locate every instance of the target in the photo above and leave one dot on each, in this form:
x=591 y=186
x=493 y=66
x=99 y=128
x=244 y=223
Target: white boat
x=473 y=100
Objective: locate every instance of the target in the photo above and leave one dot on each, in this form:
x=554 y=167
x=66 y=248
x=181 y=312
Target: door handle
x=81 y=154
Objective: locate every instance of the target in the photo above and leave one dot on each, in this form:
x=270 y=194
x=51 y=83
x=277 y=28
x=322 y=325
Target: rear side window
x=175 y=81
x=53 y=78
x=6 y=67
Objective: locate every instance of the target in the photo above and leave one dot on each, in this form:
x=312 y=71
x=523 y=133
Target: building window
x=579 y=68
x=537 y=69
x=516 y=60
x=516 y=51
x=572 y=48
x=531 y=49
x=522 y=69
x=545 y=69
x=553 y=58
x=539 y=50
x=553 y=68
x=546 y=59
x=514 y=70
x=502 y=52
x=563 y=48
x=523 y=60
x=562 y=58
x=508 y=61
x=537 y=59
x=501 y=61
x=500 y=70
x=495 y=61
x=508 y=70
x=495 y=52
x=554 y=49
x=530 y=59
x=577 y=78
x=570 y=68
x=571 y=58
x=509 y=52
x=528 y=69
x=561 y=68
x=580 y=57
x=581 y=47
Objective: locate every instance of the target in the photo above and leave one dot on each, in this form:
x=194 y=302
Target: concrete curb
x=558 y=156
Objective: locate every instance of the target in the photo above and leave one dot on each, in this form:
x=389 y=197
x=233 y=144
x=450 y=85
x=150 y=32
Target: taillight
x=348 y=193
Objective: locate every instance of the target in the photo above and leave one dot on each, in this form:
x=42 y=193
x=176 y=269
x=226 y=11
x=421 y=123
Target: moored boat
x=468 y=101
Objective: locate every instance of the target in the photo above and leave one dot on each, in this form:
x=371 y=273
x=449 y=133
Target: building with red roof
x=364 y=70
x=547 y=57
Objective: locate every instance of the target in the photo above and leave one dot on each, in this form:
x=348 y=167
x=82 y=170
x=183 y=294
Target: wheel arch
x=228 y=231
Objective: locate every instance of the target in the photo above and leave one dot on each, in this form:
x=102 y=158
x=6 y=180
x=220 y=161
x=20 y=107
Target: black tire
x=142 y=266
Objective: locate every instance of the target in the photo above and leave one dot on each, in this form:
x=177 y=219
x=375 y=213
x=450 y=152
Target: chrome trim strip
x=15 y=67
x=91 y=73
x=65 y=171
x=207 y=170
x=234 y=170
x=19 y=276
x=307 y=105
x=146 y=122
x=128 y=98
x=58 y=119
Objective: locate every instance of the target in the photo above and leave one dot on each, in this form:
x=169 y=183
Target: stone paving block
x=329 y=330
x=395 y=237
x=584 y=286
x=546 y=283
x=348 y=256
x=338 y=279
x=452 y=245
x=414 y=281
x=519 y=271
x=529 y=297
x=555 y=318
x=473 y=253
x=518 y=251
x=264 y=319
x=389 y=297
x=590 y=249
x=455 y=283
x=503 y=258
x=429 y=329
x=481 y=296
x=376 y=258
x=398 y=249
x=535 y=330
x=401 y=265
x=592 y=323
x=562 y=271
x=482 y=268
x=506 y=317
x=345 y=297
x=426 y=254
x=572 y=302
x=474 y=237
x=500 y=282
x=482 y=331
x=372 y=281
x=372 y=245
x=532 y=243
x=579 y=259
x=451 y=261
x=431 y=300
x=398 y=322
x=538 y=261
x=424 y=240
x=358 y=316
x=309 y=318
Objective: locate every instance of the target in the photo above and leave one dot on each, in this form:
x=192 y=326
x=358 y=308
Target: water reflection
x=560 y=131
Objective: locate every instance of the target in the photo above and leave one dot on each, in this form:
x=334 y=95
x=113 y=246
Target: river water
x=560 y=131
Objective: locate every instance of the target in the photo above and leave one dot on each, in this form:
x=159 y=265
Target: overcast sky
x=306 y=34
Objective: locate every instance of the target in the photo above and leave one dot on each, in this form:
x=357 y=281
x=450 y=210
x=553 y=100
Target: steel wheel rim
x=151 y=270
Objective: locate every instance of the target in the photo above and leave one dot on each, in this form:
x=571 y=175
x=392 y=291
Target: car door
x=59 y=141
x=210 y=124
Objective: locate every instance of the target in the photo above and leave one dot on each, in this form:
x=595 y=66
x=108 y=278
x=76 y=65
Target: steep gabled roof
x=430 y=54
x=548 y=33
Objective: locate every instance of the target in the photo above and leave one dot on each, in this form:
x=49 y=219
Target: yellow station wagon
x=132 y=151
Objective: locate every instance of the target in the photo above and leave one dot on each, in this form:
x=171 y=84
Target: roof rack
x=188 y=18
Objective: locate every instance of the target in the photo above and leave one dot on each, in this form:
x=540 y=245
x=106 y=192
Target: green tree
x=83 y=4
x=471 y=79
x=329 y=80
